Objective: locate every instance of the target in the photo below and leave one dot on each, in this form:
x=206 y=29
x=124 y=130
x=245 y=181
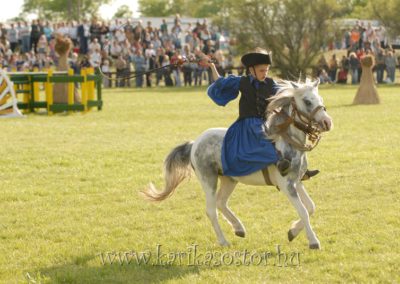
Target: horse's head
x=307 y=105
x=310 y=104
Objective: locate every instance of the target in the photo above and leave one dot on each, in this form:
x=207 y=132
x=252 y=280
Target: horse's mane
x=286 y=91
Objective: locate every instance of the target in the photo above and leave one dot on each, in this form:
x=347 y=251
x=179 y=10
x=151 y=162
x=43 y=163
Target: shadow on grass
x=84 y=269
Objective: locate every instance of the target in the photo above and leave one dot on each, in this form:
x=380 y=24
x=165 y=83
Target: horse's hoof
x=291 y=236
x=315 y=246
x=241 y=234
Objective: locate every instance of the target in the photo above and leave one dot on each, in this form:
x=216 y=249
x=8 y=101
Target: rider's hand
x=205 y=61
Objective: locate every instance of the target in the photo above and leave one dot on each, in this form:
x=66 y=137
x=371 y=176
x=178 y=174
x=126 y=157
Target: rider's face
x=260 y=71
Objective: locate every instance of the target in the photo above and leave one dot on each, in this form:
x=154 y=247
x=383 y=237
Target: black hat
x=258 y=56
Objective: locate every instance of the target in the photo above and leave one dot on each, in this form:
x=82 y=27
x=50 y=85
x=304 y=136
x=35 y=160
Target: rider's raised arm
x=224 y=90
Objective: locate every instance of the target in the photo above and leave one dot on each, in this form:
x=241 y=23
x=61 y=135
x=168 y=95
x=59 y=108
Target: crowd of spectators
x=362 y=39
x=120 y=47
x=126 y=48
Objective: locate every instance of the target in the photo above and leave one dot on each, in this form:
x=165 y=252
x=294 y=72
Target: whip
x=179 y=62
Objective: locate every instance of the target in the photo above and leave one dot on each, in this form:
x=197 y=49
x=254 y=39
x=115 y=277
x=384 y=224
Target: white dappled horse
x=296 y=119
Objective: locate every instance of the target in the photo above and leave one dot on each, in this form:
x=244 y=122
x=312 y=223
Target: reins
x=304 y=122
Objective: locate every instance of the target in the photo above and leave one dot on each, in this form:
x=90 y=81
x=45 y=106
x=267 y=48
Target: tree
x=154 y=8
x=63 y=9
x=388 y=12
x=123 y=12
x=293 y=30
x=188 y=8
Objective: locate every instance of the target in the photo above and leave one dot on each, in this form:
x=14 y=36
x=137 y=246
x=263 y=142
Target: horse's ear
x=316 y=83
x=295 y=85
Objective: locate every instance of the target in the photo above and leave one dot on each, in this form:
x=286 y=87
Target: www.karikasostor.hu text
x=192 y=256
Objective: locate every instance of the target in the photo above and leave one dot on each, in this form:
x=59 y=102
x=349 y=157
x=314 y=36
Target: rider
x=246 y=149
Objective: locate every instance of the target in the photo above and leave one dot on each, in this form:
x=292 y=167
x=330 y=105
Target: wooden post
x=84 y=89
x=49 y=91
x=90 y=85
x=71 y=88
x=35 y=88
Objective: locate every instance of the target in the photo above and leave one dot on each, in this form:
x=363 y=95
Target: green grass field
x=70 y=210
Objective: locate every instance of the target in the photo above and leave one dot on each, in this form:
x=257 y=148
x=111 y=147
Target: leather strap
x=266 y=176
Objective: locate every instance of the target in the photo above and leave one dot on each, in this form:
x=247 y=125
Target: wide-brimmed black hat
x=256 y=57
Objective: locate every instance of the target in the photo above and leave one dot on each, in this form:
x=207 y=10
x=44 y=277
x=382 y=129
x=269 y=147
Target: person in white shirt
x=95 y=58
x=94 y=45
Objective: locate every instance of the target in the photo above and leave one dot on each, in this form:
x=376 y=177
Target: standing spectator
x=167 y=71
x=158 y=63
x=83 y=33
x=120 y=35
x=95 y=30
x=333 y=66
x=73 y=31
x=198 y=71
x=380 y=65
x=105 y=68
x=42 y=48
x=164 y=27
x=139 y=32
x=115 y=50
x=35 y=35
x=104 y=30
x=13 y=37
x=354 y=66
x=150 y=28
x=187 y=66
x=48 y=31
x=120 y=66
x=62 y=29
x=150 y=55
x=95 y=58
x=156 y=42
x=355 y=38
x=176 y=72
x=360 y=54
x=139 y=61
x=391 y=63
x=94 y=45
x=128 y=28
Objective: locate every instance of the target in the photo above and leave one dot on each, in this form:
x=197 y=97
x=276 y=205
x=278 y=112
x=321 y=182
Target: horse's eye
x=307 y=103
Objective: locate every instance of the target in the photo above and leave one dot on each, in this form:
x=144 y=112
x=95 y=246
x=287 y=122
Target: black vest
x=253 y=102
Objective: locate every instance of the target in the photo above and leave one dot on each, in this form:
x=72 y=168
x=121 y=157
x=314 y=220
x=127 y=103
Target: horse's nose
x=327 y=124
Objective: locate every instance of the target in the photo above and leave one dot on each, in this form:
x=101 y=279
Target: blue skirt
x=246 y=148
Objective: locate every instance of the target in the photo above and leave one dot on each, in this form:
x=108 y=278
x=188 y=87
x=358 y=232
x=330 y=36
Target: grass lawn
x=70 y=210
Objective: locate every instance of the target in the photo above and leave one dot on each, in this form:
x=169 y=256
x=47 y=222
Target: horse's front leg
x=289 y=188
x=298 y=225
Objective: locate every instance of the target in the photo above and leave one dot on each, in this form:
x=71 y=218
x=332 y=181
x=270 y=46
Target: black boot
x=309 y=174
x=283 y=166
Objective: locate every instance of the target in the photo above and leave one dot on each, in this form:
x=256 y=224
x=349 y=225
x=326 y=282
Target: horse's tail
x=176 y=169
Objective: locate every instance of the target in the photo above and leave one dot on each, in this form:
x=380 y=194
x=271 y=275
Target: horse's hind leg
x=298 y=225
x=209 y=184
x=226 y=189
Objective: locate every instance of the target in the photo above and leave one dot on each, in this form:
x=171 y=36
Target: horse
x=296 y=118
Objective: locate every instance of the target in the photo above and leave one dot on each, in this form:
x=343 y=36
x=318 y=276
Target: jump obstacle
x=8 y=98
x=28 y=85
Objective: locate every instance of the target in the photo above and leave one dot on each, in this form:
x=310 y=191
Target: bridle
x=304 y=122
